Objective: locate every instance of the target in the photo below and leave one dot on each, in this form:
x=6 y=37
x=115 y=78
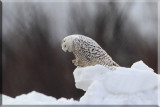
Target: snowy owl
x=86 y=51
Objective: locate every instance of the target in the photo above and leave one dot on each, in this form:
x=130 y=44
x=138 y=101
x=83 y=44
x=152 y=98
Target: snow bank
x=120 y=81
x=135 y=85
x=35 y=98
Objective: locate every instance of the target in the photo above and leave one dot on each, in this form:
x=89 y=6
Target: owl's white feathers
x=87 y=51
x=67 y=43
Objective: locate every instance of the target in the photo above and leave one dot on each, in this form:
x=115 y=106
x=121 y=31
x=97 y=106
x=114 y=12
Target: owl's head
x=67 y=43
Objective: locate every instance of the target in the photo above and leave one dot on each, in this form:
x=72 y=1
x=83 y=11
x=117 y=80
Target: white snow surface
x=135 y=85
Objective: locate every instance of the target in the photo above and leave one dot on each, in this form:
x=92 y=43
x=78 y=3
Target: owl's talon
x=77 y=63
x=74 y=61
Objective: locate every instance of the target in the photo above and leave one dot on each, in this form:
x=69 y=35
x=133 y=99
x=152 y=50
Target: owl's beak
x=64 y=49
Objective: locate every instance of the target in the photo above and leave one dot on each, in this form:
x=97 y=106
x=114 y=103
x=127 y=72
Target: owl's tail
x=115 y=64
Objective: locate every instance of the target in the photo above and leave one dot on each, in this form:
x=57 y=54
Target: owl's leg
x=80 y=63
x=77 y=62
x=74 y=61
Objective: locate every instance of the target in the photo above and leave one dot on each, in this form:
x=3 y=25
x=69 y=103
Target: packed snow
x=35 y=98
x=135 y=85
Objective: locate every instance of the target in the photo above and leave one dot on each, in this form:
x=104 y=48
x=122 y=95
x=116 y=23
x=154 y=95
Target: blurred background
x=32 y=32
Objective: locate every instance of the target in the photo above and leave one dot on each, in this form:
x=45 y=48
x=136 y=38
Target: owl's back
x=90 y=53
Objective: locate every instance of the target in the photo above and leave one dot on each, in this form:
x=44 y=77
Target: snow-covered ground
x=135 y=85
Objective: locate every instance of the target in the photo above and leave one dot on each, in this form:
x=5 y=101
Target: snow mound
x=141 y=66
x=35 y=98
x=137 y=85
x=120 y=81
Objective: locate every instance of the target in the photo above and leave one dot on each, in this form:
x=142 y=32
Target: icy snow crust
x=135 y=85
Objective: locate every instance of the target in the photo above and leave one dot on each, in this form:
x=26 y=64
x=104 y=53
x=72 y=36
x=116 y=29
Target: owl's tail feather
x=115 y=64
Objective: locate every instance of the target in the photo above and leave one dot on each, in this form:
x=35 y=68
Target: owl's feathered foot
x=74 y=61
x=77 y=63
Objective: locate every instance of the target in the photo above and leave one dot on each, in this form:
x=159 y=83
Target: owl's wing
x=87 y=48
